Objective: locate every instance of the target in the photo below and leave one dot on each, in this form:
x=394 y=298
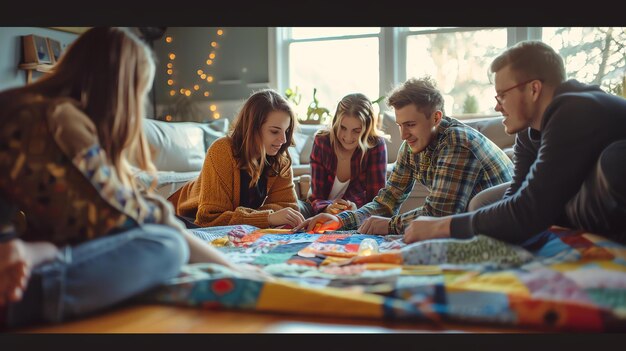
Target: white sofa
x=179 y=148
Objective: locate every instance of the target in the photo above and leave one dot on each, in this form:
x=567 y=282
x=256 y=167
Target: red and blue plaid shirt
x=366 y=178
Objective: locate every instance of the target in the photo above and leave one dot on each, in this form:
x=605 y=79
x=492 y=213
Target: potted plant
x=315 y=114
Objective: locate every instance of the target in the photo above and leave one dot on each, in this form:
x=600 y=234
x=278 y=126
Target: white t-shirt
x=338 y=189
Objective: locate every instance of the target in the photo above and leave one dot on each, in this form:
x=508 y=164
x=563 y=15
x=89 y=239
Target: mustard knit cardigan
x=213 y=198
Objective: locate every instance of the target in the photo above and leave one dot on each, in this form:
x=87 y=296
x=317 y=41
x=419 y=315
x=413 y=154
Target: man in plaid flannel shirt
x=453 y=160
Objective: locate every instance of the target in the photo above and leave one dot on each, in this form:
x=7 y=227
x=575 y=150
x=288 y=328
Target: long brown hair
x=246 y=133
x=109 y=71
x=359 y=106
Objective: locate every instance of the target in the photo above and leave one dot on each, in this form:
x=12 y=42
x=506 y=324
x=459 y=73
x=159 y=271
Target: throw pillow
x=177 y=146
x=295 y=151
x=210 y=134
x=390 y=127
x=307 y=146
x=220 y=125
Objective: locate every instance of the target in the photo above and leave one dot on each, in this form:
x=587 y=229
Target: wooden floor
x=171 y=319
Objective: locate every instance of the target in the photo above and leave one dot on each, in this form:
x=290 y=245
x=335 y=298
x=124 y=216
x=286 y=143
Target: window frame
x=392 y=51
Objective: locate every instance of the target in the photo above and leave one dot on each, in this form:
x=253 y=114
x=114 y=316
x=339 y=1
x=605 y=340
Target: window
x=593 y=55
x=458 y=59
x=335 y=61
x=373 y=60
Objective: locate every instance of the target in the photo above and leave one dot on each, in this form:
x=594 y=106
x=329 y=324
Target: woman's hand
x=340 y=205
x=285 y=216
x=320 y=223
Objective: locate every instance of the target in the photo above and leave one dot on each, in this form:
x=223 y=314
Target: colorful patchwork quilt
x=558 y=280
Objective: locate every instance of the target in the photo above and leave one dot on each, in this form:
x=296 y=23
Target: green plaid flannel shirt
x=458 y=164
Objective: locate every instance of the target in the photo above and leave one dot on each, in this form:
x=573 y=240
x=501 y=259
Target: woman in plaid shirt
x=348 y=160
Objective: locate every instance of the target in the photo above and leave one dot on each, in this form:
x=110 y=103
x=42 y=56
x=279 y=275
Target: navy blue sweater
x=551 y=164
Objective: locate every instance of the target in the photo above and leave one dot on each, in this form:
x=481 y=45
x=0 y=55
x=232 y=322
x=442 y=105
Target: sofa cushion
x=305 y=155
x=181 y=146
x=295 y=151
x=390 y=127
x=493 y=129
x=303 y=137
x=219 y=125
x=509 y=151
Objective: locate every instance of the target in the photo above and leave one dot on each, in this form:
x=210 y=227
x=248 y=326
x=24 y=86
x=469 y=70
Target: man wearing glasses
x=570 y=155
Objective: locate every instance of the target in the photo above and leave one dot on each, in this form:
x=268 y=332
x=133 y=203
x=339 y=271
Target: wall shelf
x=38 y=67
x=229 y=81
x=258 y=85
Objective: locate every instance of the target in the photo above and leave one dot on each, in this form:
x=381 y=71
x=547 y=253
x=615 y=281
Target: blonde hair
x=359 y=106
x=246 y=133
x=109 y=71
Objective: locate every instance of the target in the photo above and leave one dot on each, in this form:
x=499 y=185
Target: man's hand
x=375 y=225
x=340 y=205
x=425 y=228
x=320 y=223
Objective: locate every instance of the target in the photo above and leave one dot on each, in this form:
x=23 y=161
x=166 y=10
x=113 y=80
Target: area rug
x=558 y=280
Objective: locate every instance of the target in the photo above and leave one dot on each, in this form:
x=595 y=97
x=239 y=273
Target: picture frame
x=36 y=49
x=54 y=49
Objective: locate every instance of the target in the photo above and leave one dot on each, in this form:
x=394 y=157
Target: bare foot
x=17 y=258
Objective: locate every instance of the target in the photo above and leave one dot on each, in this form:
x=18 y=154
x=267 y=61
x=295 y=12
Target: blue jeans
x=305 y=209
x=98 y=274
x=600 y=205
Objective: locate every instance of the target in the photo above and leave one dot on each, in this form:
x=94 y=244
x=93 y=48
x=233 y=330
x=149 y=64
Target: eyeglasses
x=500 y=95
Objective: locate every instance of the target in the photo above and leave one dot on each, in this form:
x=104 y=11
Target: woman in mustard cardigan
x=246 y=177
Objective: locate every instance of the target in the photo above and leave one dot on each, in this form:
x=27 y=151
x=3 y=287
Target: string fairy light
x=204 y=78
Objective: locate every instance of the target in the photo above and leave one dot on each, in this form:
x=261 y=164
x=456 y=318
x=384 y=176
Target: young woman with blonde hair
x=89 y=235
x=246 y=177
x=349 y=159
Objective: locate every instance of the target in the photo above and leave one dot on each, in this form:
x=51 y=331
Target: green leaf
x=377 y=101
